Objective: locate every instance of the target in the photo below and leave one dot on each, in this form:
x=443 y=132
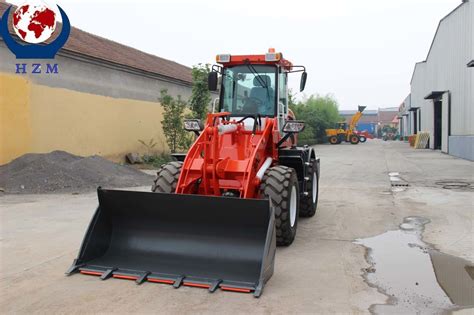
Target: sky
x=361 y=52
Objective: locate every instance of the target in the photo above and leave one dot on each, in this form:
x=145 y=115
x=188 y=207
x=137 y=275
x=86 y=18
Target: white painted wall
x=406 y=119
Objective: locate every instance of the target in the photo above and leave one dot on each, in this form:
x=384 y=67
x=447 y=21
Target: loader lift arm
x=355 y=119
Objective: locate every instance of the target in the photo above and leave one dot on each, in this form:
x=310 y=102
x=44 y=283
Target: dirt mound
x=60 y=171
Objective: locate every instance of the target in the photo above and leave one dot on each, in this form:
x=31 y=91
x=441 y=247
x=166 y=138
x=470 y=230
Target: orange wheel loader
x=215 y=216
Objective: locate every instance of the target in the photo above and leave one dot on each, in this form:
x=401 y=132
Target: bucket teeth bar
x=182 y=240
x=177 y=281
x=142 y=278
x=214 y=286
x=107 y=274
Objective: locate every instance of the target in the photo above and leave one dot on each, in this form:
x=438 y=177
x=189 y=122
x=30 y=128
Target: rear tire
x=167 y=178
x=354 y=139
x=309 y=203
x=280 y=185
x=333 y=140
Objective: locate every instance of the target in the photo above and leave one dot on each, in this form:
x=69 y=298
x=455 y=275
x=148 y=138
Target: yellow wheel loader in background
x=344 y=132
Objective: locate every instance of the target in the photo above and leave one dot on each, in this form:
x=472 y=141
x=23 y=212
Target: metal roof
x=434 y=95
x=352 y=112
x=434 y=37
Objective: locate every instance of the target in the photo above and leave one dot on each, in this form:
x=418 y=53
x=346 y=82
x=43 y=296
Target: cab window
x=249 y=90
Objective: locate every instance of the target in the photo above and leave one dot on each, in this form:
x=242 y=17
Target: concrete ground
x=320 y=273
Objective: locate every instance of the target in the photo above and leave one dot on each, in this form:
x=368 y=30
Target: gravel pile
x=63 y=172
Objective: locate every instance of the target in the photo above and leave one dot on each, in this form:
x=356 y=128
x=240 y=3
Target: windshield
x=249 y=90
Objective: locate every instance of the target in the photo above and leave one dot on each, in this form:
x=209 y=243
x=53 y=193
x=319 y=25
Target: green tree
x=172 y=123
x=291 y=98
x=201 y=97
x=319 y=113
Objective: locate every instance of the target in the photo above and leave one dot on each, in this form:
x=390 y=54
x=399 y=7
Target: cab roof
x=270 y=58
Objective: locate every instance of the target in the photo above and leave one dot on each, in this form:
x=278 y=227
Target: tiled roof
x=101 y=48
x=387 y=116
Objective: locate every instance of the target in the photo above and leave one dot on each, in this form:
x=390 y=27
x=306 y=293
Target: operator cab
x=254 y=85
x=250 y=90
x=341 y=125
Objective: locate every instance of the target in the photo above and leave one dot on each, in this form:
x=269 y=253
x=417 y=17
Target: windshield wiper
x=255 y=73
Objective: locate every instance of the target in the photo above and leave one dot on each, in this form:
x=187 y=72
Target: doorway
x=438 y=114
x=415 y=122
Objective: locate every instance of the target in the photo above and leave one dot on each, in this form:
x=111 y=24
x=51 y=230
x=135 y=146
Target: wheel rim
x=315 y=187
x=293 y=206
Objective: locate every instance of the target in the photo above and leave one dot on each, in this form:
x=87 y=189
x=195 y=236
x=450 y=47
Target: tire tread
x=275 y=185
x=167 y=177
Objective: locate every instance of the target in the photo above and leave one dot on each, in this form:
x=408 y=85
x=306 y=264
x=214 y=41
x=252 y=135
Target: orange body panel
x=257 y=60
x=221 y=162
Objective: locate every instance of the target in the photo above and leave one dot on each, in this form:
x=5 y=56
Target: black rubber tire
x=354 y=139
x=362 y=139
x=334 y=140
x=307 y=206
x=277 y=184
x=167 y=177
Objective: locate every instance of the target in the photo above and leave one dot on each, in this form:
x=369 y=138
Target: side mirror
x=212 y=81
x=304 y=76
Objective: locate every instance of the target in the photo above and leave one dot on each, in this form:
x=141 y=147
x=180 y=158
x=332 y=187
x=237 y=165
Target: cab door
x=282 y=96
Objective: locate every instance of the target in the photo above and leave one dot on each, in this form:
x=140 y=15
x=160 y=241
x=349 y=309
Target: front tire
x=167 y=178
x=362 y=139
x=354 y=139
x=333 y=140
x=280 y=185
x=309 y=203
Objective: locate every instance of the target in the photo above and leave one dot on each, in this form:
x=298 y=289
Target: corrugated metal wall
x=407 y=117
x=445 y=70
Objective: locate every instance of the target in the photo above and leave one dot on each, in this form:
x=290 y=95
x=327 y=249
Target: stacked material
x=61 y=172
x=421 y=141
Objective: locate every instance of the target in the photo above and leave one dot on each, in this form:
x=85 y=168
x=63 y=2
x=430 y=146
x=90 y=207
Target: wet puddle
x=416 y=277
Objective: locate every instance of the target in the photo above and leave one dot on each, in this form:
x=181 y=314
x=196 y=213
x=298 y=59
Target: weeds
x=157 y=160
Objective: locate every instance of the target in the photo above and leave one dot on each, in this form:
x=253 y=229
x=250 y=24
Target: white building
x=441 y=101
x=405 y=127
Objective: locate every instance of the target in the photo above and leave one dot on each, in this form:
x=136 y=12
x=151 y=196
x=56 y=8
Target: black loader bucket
x=191 y=240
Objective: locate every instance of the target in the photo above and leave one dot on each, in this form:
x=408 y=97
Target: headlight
x=272 y=56
x=293 y=126
x=223 y=58
x=192 y=125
